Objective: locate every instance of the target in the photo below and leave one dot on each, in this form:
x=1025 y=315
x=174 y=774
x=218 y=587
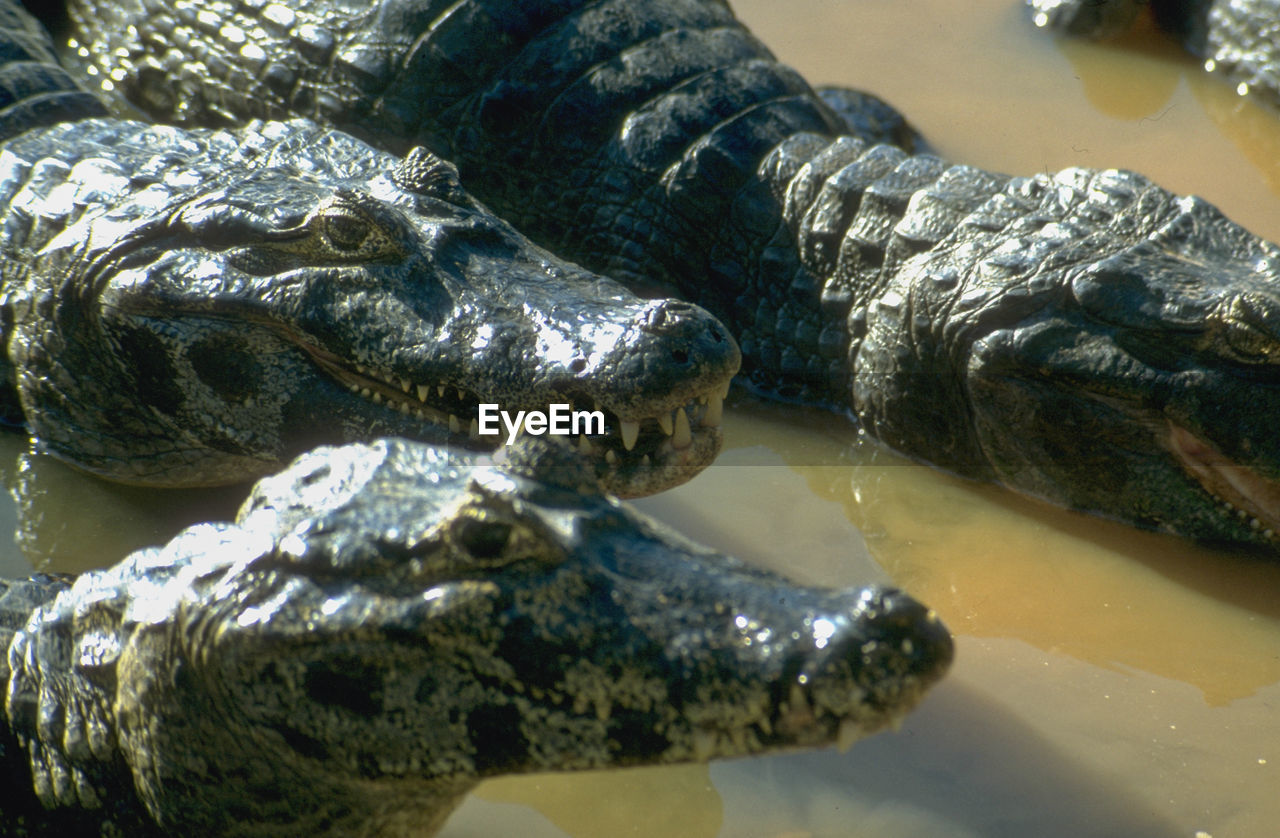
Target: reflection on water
x=1108 y=682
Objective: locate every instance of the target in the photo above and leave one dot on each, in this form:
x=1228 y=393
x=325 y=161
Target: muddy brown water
x=1108 y=682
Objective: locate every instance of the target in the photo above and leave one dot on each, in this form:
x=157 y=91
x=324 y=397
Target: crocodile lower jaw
x=633 y=457
x=1241 y=491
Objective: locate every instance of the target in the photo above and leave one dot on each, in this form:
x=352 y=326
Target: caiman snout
x=695 y=345
x=889 y=644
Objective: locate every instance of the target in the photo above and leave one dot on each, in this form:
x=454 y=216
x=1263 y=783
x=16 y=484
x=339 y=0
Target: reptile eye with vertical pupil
x=345 y=231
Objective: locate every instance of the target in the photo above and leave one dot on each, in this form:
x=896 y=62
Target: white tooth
x=682 y=435
x=610 y=457
x=849 y=733
x=377 y=398
x=405 y=385
x=630 y=433
x=462 y=397
x=714 y=413
x=584 y=444
x=404 y=408
x=475 y=428
x=422 y=392
x=364 y=391
x=420 y=414
x=664 y=422
x=440 y=390
x=455 y=424
x=355 y=388
x=646 y=461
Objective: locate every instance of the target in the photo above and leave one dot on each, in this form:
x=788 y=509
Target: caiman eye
x=483 y=537
x=345 y=231
x=485 y=541
x=1246 y=331
x=348 y=227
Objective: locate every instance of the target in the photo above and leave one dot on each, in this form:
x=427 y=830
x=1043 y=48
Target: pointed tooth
x=610 y=457
x=630 y=433
x=475 y=428
x=584 y=444
x=682 y=435
x=420 y=414
x=714 y=413
x=403 y=407
x=440 y=390
x=455 y=424
x=664 y=422
x=360 y=369
x=377 y=398
x=405 y=384
x=646 y=461
x=366 y=392
x=355 y=388
x=462 y=397
x=422 y=392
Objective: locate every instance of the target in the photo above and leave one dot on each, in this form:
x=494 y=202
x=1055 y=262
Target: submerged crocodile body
x=387 y=624
x=195 y=307
x=1238 y=39
x=1084 y=337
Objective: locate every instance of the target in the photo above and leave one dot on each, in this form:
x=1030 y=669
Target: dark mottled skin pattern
x=194 y=307
x=1238 y=39
x=385 y=625
x=951 y=309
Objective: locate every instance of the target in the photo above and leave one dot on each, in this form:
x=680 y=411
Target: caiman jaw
x=633 y=457
x=1241 y=492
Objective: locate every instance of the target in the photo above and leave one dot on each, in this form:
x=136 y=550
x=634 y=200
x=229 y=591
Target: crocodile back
x=34 y=90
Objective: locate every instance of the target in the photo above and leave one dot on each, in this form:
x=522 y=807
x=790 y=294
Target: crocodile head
x=1134 y=374
x=389 y=623
x=234 y=305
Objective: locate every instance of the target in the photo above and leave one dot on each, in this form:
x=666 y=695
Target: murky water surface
x=1108 y=682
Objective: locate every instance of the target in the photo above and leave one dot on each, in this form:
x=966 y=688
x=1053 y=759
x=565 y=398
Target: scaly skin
x=384 y=625
x=195 y=307
x=1238 y=39
x=1085 y=337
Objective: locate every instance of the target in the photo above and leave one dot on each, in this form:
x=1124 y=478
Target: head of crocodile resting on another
x=387 y=624
x=191 y=308
x=1087 y=338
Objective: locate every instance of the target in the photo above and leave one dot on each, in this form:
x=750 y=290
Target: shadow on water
x=960 y=766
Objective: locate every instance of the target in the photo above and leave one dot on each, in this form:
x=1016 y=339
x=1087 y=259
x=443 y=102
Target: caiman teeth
x=664 y=422
x=630 y=433
x=423 y=392
x=682 y=436
x=714 y=412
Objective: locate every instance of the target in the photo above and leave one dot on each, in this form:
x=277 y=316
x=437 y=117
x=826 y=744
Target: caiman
x=1083 y=337
x=1237 y=39
x=195 y=307
x=386 y=624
